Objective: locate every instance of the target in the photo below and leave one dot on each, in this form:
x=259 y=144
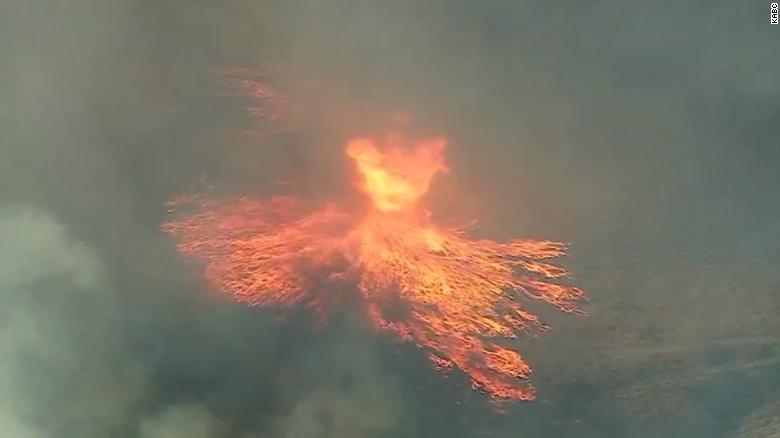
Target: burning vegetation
x=420 y=281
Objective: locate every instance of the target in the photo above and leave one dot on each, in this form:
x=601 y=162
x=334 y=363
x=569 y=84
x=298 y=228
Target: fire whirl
x=425 y=283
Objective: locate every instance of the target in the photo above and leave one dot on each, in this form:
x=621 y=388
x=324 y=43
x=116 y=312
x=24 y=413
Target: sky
x=644 y=134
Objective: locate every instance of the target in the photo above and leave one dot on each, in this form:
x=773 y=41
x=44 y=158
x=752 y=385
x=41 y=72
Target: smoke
x=60 y=352
x=182 y=421
x=643 y=134
x=65 y=373
x=357 y=400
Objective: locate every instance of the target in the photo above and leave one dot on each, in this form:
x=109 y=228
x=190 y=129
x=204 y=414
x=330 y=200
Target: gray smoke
x=643 y=134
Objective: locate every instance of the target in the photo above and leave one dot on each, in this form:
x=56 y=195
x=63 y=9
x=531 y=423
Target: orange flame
x=423 y=282
x=395 y=178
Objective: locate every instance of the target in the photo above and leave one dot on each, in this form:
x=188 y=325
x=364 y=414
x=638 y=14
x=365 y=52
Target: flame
x=425 y=283
x=396 y=178
x=267 y=105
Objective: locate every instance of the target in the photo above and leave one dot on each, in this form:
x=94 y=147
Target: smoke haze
x=646 y=135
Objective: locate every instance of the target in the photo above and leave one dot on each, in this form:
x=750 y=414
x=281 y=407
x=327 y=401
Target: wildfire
x=267 y=105
x=397 y=178
x=423 y=282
